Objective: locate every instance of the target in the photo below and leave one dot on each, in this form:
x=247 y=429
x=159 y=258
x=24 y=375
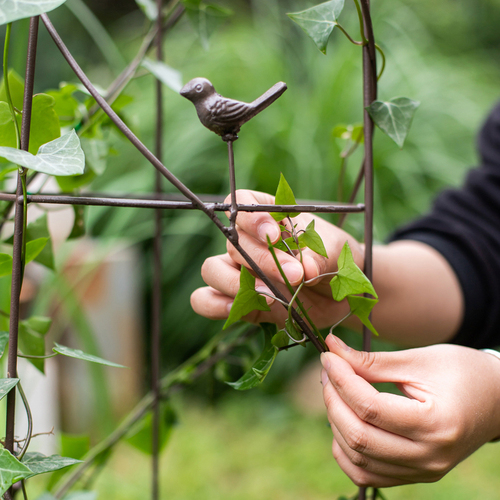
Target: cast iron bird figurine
x=226 y=116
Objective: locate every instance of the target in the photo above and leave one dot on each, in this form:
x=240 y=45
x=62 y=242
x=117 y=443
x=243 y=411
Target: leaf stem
x=361 y=24
x=6 y=81
x=324 y=275
x=340 y=321
x=30 y=356
x=355 y=42
x=30 y=421
x=382 y=54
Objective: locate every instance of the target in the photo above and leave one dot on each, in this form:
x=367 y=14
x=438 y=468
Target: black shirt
x=464 y=226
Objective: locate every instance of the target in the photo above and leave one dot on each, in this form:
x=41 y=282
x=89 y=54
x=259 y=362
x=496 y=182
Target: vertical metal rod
x=232 y=187
x=369 y=95
x=18 y=239
x=157 y=269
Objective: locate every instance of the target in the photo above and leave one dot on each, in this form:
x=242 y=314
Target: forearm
x=421 y=301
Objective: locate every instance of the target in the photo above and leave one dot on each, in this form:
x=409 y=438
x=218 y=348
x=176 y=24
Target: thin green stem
x=381 y=52
x=361 y=24
x=340 y=321
x=27 y=441
x=6 y=81
x=333 y=273
x=355 y=42
x=23 y=487
x=29 y=356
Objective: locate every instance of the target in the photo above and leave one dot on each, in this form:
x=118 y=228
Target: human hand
x=222 y=272
x=451 y=409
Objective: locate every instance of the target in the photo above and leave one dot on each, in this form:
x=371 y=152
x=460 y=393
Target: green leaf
x=74 y=445
x=149 y=8
x=66 y=106
x=4 y=340
x=246 y=300
x=284 y=196
x=294 y=332
x=63 y=156
x=34 y=248
x=289 y=241
x=40 y=464
x=6 y=385
x=139 y=436
x=5 y=114
x=79 y=223
x=12 y=10
x=45 y=126
x=262 y=365
x=5 y=264
x=311 y=239
x=71 y=182
x=40 y=229
x=96 y=154
x=11 y=470
x=16 y=86
x=318 y=21
x=78 y=354
x=205 y=18
x=394 y=117
x=281 y=339
x=350 y=279
x=32 y=333
x=362 y=307
x=167 y=75
x=5 y=170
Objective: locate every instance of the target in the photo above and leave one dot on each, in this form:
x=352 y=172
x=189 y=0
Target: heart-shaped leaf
x=318 y=21
x=394 y=117
x=40 y=464
x=350 y=279
x=311 y=239
x=12 y=10
x=62 y=156
x=11 y=470
x=246 y=300
x=284 y=196
x=362 y=307
x=6 y=384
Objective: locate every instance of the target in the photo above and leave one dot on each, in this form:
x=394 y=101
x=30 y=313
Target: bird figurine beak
x=184 y=91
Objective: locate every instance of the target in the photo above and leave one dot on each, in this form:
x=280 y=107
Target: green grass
x=250 y=448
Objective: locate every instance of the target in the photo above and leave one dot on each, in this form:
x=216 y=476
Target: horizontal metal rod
x=186 y=205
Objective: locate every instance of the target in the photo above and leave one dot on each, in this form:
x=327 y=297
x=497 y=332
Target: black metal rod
x=18 y=239
x=157 y=271
x=184 y=205
x=232 y=188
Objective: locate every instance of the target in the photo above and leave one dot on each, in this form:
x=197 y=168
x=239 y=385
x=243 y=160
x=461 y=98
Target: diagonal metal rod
x=18 y=240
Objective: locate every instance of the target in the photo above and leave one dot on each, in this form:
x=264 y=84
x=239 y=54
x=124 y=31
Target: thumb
x=374 y=366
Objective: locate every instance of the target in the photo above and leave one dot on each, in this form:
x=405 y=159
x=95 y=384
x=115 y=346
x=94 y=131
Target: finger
x=366 y=442
x=396 y=414
x=257 y=224
x=359 y=476
x=372 y=465
x=261 y=255
x=210 y=303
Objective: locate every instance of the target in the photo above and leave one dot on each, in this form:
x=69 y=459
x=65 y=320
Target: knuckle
x=359 y=460
x=368 y=410
x=360 y=479
x=357 y=439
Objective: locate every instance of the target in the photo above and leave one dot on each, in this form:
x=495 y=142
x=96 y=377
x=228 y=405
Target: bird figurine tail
x=268 y=97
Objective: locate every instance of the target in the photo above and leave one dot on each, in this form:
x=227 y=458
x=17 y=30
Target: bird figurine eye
x=199 y=87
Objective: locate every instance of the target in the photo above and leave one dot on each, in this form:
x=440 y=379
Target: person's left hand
x=380 y=439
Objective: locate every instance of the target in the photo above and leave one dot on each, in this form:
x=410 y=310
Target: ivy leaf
x=40 y=229
x=6 y=384
x=289 y=241
x=280 y=339
x=5 y=264
x=362 y=307
x=32 y=333
x=96 y=154
x=45 y=126
x=284 y=196
x=318 y=21
x=12 y=10
x=40 y=464
x=394 y=117
x=16 y=86
x=311 y=239
x=139 y=436
x=78 y=354
x=4 y=340
x=205 y=18
x=350 y=279
x=246 y=300
x=167 y=75
x=262 y=365
x=5 y=114
x=62 y=156
x=149 y=8
x=34 y=248
x=11 y=470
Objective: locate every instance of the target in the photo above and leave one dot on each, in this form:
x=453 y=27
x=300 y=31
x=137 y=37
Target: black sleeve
x=464 y=226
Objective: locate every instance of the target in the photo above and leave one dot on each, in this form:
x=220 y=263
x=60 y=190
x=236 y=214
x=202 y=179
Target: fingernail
x=325 y=361
x=268 y=229
x=229 y=307
x=263 y=289
x=293 y=271
x=324 y=378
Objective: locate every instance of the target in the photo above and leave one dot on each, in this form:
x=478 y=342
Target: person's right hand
x=222 y=272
